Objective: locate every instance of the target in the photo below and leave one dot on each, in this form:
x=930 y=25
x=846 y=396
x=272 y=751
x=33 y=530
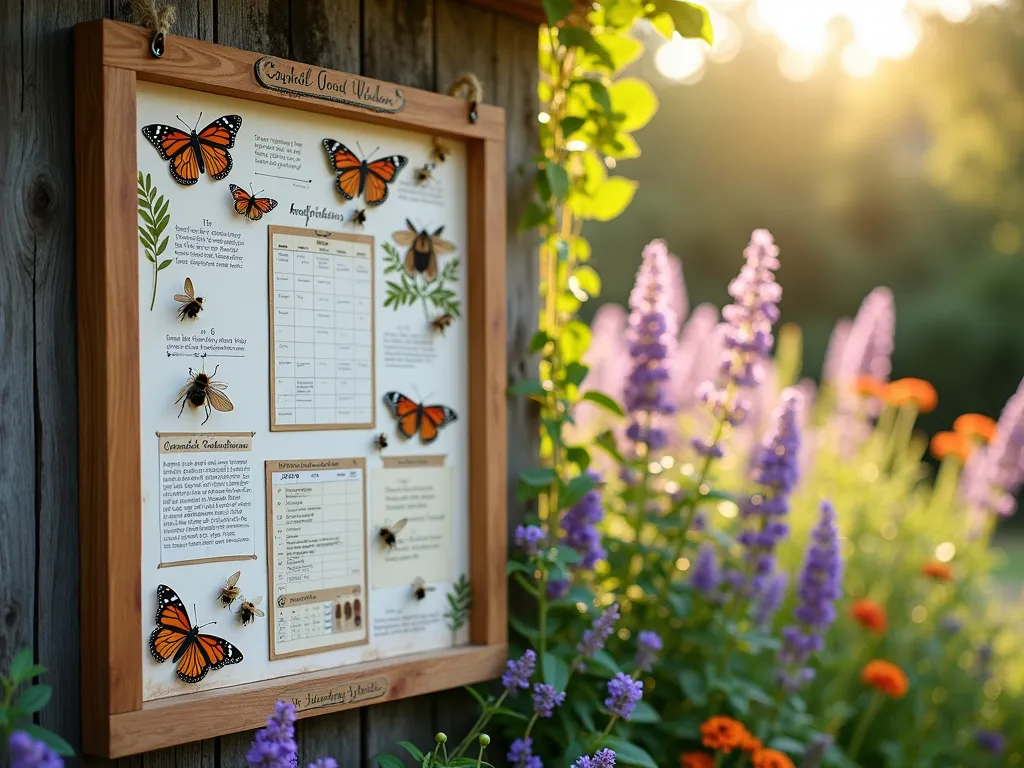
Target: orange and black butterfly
x=414 y=417
x=191 y=154
x=362 y=177
x=423 y=249
x=176 y=639
x=249 y=205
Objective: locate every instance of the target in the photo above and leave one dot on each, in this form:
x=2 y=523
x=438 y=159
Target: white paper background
x=236 y=305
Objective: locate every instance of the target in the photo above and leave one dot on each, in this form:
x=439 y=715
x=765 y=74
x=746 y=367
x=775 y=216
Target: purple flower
x=835 y=350
x=649 y=645
x=951 y=624
x=274 y=746
x=324 y=762
x=518 y=673
x=869 y=345
x=595 y=637
x=818 y=589
x=706 y=577
x=697 y=355
x=578 y=527
x=27 y=752
x=653 y=327
x=776 y=469
x=623 y=694
x=771 y=599
x=557 y=589
x=995 y=474
x=528 y=538
x=545 y=699
x=604 y=758
x=747 y=335
x=520 y=755
x=992 y=742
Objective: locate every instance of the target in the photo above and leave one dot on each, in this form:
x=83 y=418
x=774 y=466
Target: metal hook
x=156 y=45
x=474 y=114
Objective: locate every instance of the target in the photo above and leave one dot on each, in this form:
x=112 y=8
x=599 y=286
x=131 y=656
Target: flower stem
x=480 y=756
x=479 y=725
x=607 y=729
x=156 y=272
x=865 y=722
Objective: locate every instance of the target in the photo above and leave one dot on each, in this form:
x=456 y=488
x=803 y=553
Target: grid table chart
x=317 y=539
x=321 y=305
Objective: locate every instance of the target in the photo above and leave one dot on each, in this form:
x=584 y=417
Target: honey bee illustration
x=381 y=441
x=230 y=591
x=359 y=217
x=440 y=324
x=389 y=534
x=201 y=391
x=249 y=610
x=423 y=249
x=420 y=589
x=440 y=151
x=425 y=174
x=191 y=305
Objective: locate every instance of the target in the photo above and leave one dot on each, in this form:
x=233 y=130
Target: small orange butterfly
x=414 y=417
x=249 y=205
x=176 y=639
x=369 y=178
x=192 y=153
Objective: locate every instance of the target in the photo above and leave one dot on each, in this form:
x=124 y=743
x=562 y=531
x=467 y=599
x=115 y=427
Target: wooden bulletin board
x=347 y=240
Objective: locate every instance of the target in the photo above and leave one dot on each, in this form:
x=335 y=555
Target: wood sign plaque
x=291 y=380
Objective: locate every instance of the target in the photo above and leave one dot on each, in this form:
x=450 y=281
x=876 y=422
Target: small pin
x=156 y=45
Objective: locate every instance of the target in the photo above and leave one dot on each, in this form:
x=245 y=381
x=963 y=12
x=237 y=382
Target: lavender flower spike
x=595 y=637
x=27 y=752
x=578 y=527
x=603 y=758
x=649 y=645
x=819 y=587
x=520 y=755
x=747 y=334
x=653 y=327
x=529 y=538
x=274 y=746
x=706 y=577
x=518 y=673
x=994 y=475
x=545 y=699
x=776 y=469
x=623 y=694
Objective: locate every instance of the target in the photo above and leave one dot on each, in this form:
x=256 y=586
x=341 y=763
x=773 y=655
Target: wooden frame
x=110 y=58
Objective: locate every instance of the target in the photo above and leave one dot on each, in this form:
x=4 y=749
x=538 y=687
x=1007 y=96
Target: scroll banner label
x=314 y=82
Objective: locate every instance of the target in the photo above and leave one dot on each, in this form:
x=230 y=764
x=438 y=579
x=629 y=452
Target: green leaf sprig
x=155 y=216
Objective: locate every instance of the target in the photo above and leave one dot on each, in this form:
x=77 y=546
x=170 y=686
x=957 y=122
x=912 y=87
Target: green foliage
x=460 y=600
x=22 y=699
x=403 y=290
x=153 y=210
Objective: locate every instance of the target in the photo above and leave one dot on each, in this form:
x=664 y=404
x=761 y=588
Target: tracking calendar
x=321 y=305
x=316 y=526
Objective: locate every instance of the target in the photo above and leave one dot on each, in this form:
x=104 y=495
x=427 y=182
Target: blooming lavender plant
x=578 y=527
x=274 y=746
x=706 y=577
x=594 y=638
x=520 y=755
x=869 y=345
x=545 y=699
x=623 y=694
x=603 y=758
x=528 y=538
x=818 y=589
x=649 y=645
x=26 y=752
x=747 y=333
x=995 y=474
x=518 y=673
x=653 y=327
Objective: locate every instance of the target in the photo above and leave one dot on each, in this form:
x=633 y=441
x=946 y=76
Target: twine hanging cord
x=158 y=20
x=467 y=86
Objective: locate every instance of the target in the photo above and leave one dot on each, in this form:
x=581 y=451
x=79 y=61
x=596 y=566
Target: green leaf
x=635 y=100
x=575 y=341
x=164 y=264
x=524 y=629
x=690 y=20
x=541 y=477
x=628 y=753
x=578 y=455
x=558 y=180
x=578 y=37
x=622 y=46
x=476 y=695
x=644 y=713
x=33 y=699
x=162 y=247
x=539 y=341
x=145 y=217
x=587 y=280
x=149 y=258
x=606 y=661
x=556 y=10
x=610 y=199
x=389 y=761
x=514 y=566
x=21 y=666
x=412 y=749
x=599 y=93
x=576 y=489
x=52 y=740
x=555 y=671
x=526 y=387
x=694 y=687
x=576 y=372
x=536 y=215
x=571 y=124
x=604 y=401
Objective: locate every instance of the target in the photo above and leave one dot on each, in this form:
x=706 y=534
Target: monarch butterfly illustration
x=249 y=205
x=191 y=154
x=176 y=639
x=423 y=249
x=363 y=177
x=414 y=417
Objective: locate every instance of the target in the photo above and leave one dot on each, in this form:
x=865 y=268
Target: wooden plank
x=326 y=33
x=191 y=19
x=338 y=735
x=406 y=720
x=466 y=42
x=398 y=39
x=210 y=713
x=108 y=345
x=199 y=754
x=254 y=25
x=203 y=66
x=524 y=10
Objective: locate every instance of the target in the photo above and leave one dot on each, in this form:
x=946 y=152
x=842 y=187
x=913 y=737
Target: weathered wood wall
x=422 y=43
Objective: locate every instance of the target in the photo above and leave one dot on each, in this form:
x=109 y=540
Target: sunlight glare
x=796 y=66
x=681 y=59
x=858 y=62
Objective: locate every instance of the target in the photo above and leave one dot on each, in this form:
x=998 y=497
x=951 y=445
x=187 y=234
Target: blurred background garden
x=882 y=142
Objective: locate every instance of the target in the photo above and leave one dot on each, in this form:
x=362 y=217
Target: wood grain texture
x=326 y=33
x=524 y=10
x=254 y=25
x=398 y=41
x=406 y=720
x=466 y=42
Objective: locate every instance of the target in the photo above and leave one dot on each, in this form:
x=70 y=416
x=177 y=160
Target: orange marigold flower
x=975 y=426
x=696 y=760
x=916 y=392
x=937 y=571
x=951 y=443
x=886 y=677
x=869 y=615
x=771 y=758
x=869 y=386
x=751 y=743
x=723 y=733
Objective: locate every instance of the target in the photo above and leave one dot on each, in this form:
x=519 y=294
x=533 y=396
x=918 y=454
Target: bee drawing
x=440 y=151
x=381 y=441
x=201 y=391
x=230 y=591
x=421 y=258
x=425 y=173
x=359 y=217
x=389 y=534
x=249 y=610
x=441 y=322
x=420 y=589
x=191 y=305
